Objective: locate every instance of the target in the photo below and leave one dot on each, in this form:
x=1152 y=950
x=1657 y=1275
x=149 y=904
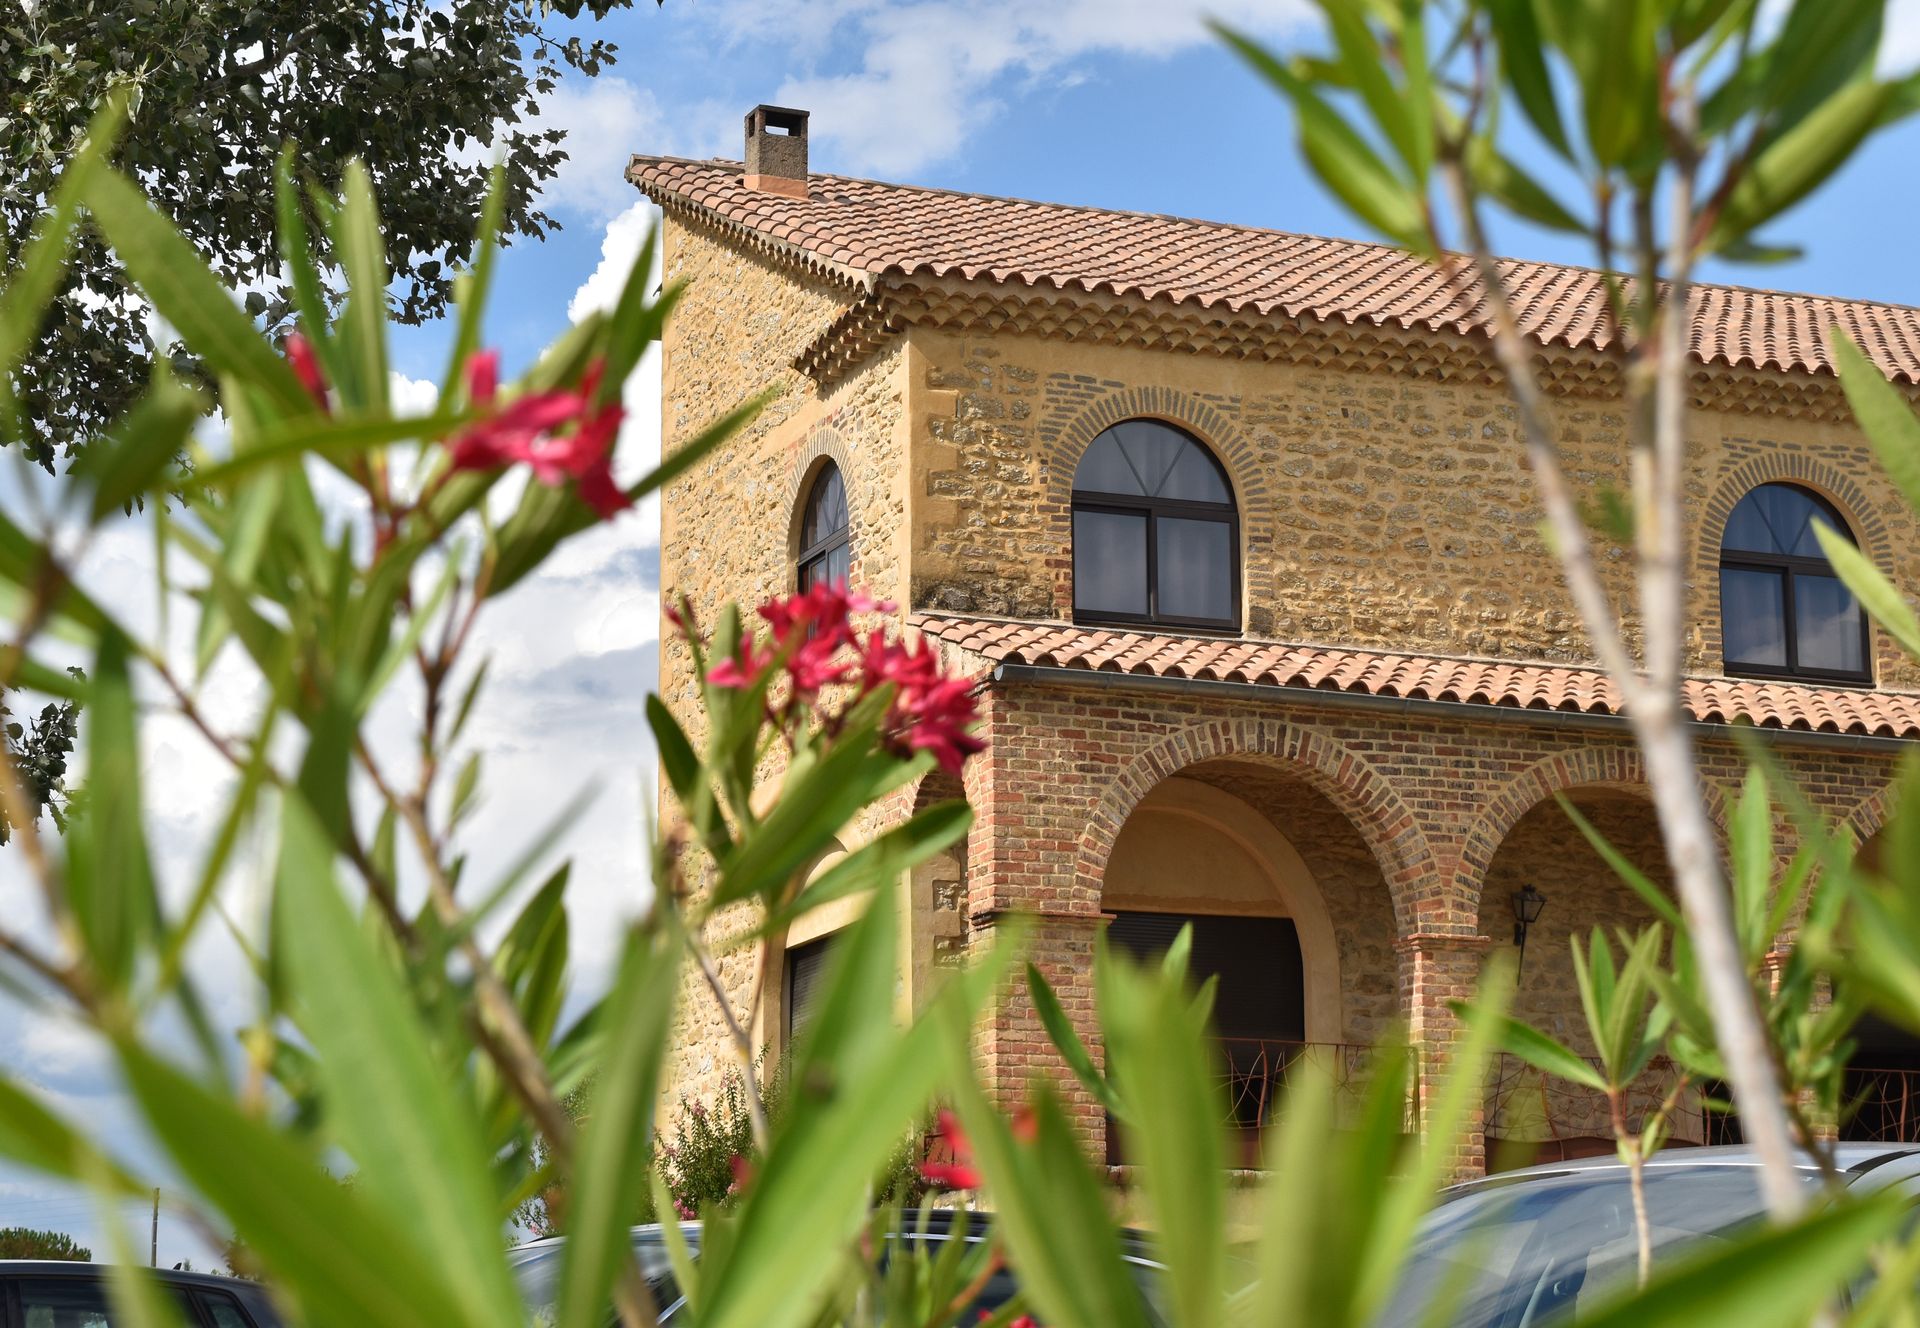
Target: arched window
x=1783 y=613
x=826 y=551
x=1156 y=538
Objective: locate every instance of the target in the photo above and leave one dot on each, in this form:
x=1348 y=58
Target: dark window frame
x=1789 y=568
x=816 y=553
x=1133 y=504
x=818 y=948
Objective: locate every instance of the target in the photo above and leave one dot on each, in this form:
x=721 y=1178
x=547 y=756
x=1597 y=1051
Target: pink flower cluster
x=814 y=641
x=535 y=429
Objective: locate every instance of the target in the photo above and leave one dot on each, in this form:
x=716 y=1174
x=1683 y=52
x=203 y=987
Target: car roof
x=70 y=1268
x=940 y=1221
x=1851 y=1158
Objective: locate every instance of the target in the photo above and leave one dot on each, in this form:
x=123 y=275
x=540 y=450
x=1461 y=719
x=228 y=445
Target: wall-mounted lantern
x=1528 y=903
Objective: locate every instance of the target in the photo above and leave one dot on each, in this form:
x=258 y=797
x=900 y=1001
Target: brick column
x=1014 y=1049
x=1436 y=968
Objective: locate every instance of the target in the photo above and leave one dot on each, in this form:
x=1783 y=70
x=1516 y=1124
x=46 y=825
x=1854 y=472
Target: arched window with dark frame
x=1156 y=536
x=1783 y=613
x=826 y=545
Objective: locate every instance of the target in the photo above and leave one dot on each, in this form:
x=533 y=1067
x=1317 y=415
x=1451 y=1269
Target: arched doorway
x=1881 y=1092
x=1290 y=913
x=1531 y=1117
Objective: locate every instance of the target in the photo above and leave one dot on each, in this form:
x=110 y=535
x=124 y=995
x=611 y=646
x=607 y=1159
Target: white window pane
x=1827 y=625
x=1753 y=617
x=1109 y=562
x=1195 y=568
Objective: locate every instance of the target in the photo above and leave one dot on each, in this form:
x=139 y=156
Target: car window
x=71 y=1302
x=223 y=1310
x=536 y=1268
x=1516 y=1255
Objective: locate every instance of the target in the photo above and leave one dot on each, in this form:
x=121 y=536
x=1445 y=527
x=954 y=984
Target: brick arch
x=1583 y=767
x=1360 y=792
x=1779 y=466
x=822 y=445
x=1060 y=453
x=1869 y=815
x=1061 y=448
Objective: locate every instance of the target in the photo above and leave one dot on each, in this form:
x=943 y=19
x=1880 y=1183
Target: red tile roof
x=1547 y=687
x=866 y=231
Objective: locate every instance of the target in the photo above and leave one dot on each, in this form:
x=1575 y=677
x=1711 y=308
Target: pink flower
x=741 y=671
x=483 y=377
x=931 y=712
x=306 y=367
x=959 y=1173
x=742 y=1174
x=685 y=1209
x=534 y=430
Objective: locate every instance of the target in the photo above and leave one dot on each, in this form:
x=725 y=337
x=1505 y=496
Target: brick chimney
x=777 y=150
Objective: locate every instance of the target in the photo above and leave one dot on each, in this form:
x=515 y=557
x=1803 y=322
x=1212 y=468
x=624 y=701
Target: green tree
x=28 y=1243
x=422 y=92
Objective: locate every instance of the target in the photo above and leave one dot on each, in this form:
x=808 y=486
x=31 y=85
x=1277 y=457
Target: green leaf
x=471 y=287
x=1651 y=894
x=173 y=276
x=1524 y=65
x=1798 y=161
x=417 y=1150
x=1870 y=586
x=296 y=251
x=1517 y=191
x=330 y=438
x=862 y=1082
x=1776 y=1277
x=42 y=262
x=1361 y=58
x=362 y=333
x=1162 y=1061
x=1066 y=1040
x=612 y=1171
x=34 y=1137
x=1883 y=413
x=1342 y=159
x=129 y=462
x=111 y=882
x=1548 y=1055
x=339 y=1254
x=927 y=833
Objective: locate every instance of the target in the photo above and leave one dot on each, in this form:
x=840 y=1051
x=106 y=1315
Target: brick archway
x=820 y=446
x=1361 y=794
x=1618 y=767
x=1869 y=815
x=1779 y=466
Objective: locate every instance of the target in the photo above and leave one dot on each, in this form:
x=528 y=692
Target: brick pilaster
x=1436 y=968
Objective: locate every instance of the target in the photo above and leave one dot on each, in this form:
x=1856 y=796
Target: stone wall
x=729 y=525
x=1377 y=509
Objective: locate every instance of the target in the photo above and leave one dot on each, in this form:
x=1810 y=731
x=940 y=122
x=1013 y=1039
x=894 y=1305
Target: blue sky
x=1115 y=103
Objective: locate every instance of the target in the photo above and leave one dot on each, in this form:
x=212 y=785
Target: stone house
x=1235 y=529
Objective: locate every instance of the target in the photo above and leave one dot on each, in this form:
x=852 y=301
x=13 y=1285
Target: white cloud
x=605 y=119
x=1900 y=40
x=933 y=73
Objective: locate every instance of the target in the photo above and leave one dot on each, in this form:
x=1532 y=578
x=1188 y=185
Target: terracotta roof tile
x=870 y=230
x=1779 y=705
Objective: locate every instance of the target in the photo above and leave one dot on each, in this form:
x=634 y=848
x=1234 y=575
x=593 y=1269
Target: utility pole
x=153 y=1243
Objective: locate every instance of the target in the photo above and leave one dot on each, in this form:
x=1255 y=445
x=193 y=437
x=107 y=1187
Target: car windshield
x=537 y=1269
x=1549 y=1249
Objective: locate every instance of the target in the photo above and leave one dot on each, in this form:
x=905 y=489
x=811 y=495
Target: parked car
x=38 y=1293
x=1541 y=1245
x=536 y=1265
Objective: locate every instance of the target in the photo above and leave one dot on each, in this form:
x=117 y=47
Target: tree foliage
x=423 y=92
x=29 y=1243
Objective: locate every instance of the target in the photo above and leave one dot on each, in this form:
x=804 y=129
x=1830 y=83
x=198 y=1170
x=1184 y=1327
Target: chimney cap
x=776 y=156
